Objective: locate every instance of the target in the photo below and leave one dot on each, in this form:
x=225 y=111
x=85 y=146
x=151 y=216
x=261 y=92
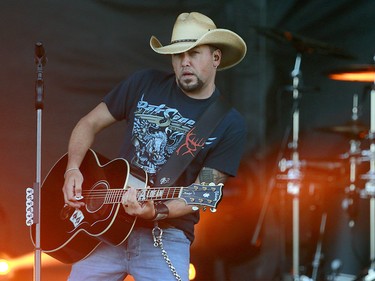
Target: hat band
x=183 y=40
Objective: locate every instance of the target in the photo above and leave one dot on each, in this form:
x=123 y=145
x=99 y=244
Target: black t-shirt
x=158 y=116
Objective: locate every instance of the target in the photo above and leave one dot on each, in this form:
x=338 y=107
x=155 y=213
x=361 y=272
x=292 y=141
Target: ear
x=217 y=57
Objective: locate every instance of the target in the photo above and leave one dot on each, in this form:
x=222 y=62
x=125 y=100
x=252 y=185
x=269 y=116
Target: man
x=161 y=110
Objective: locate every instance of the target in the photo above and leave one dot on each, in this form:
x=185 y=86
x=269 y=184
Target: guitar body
x=69 y=234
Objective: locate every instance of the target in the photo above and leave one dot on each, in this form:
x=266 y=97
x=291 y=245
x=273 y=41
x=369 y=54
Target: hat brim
x=232 y=46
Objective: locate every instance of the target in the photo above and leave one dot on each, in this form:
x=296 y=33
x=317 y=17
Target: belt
x=151 y=224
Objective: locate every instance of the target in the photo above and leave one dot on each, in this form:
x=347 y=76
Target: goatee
x=189 y=86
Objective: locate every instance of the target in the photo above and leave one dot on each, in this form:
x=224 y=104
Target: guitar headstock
x=206 y=195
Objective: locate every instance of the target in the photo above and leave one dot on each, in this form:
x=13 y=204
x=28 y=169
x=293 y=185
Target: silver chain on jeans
x=159 y=243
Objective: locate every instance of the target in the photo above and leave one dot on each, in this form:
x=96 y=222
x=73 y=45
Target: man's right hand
x=72 y=188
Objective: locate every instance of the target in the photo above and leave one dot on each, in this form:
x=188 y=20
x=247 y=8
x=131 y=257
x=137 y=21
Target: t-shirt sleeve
x=227 y=154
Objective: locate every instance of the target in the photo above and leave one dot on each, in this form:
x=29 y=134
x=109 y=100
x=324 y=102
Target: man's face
x=196 y=68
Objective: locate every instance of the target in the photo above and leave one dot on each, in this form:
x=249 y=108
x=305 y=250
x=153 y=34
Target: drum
x=346 y=239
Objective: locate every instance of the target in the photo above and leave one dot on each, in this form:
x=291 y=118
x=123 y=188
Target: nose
x=185 y=59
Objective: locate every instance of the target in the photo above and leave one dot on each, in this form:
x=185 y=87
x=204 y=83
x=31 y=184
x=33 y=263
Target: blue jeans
x=138 y=257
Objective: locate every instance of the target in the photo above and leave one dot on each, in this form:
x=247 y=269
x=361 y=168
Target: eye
x=194 y=51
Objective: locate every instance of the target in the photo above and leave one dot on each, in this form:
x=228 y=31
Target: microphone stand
x=40 y=60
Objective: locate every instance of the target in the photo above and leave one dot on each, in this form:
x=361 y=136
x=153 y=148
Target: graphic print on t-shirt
x=158 y=129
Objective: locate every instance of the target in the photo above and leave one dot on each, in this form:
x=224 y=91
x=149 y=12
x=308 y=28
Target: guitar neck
x=158 y=193
x=194 y=194
x=114 y=196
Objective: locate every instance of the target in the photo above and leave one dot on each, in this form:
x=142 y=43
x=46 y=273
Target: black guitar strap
x=181 y=158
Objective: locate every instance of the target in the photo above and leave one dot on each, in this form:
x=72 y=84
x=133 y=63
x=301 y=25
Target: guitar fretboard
x=114 y=196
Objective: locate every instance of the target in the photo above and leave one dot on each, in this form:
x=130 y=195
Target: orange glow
x=192 y=272
x=4 y=267
x=354 y=76
x=9 y=266
x=26 y=261
x=355 y=73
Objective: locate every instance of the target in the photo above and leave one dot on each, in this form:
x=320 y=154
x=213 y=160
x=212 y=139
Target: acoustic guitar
x=70 y=234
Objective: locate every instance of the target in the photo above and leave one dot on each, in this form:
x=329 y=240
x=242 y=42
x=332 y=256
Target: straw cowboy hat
x=194 y=29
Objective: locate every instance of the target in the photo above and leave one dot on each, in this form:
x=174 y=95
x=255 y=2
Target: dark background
x=92 y=45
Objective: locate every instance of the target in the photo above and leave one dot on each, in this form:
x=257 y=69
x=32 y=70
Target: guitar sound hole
x=96 y=197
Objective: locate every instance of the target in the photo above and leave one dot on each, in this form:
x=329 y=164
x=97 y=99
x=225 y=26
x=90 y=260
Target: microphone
x=40 y=54
x=40 y=60
x=39 y=50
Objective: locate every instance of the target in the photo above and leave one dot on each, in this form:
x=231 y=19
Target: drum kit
x=290 y=169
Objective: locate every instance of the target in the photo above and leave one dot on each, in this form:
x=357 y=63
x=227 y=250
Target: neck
x=203 y=93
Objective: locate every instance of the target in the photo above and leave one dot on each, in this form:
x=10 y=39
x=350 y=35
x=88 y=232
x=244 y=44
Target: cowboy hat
x=194 y=29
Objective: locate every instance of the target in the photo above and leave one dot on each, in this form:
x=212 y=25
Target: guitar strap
x=182 y=156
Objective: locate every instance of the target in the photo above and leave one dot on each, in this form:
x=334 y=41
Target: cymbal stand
x=369 y=190
x=293 y=166
x=352 y=188
x=354 y=158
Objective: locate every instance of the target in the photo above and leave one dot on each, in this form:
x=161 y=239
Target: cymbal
x=304 y=44
x=355 y=73
x=354 y=130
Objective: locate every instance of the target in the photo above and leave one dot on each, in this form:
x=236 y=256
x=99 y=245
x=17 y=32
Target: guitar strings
x=142 y=194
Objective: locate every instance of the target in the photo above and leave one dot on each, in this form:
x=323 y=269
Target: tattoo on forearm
x=209 y=175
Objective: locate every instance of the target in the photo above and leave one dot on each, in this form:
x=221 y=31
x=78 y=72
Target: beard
x=189 y=84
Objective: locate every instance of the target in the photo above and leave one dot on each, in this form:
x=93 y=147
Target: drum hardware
x=303 y=44
x=285 y=164
x=353 y=130
x=369 y=190
x=354 y=150
x=350 y=202
x=357 y=131
x=294 y=172
x=292 y=167
x=318 y=252
x=336 y=265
